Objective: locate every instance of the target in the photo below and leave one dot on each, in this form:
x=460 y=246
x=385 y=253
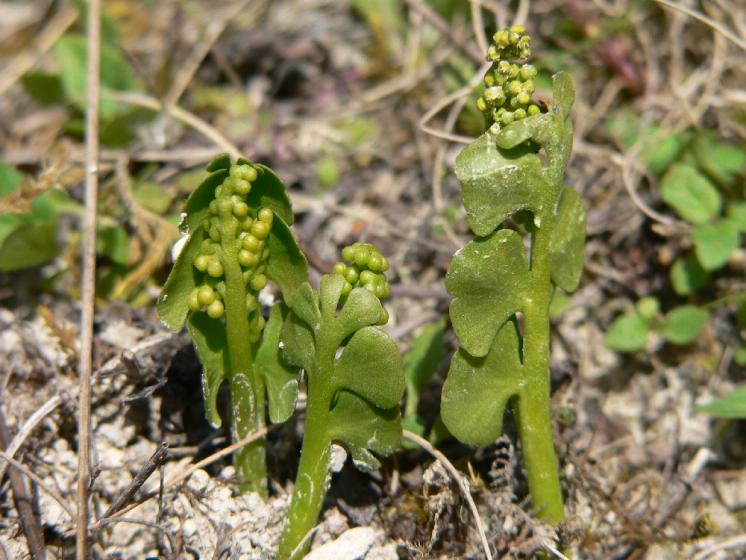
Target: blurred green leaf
x=44 y=88
x=737 y=215
x=732 y=405
x=113 y=242
x=722 y=161
x=627 y=333
x=714 y=243
x=116 y=74
x=691 y=194
x=559 y=304
x=327 y=171
x=658 y=150
x=648 y=308
x=683 y=324
x=152 y=197
x=29 y=245
x=10 y=179
x=687 y=275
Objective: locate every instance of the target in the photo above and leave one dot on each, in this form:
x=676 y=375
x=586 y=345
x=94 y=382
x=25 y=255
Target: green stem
x=247 y=392
x=534 y=407
x=313 y=471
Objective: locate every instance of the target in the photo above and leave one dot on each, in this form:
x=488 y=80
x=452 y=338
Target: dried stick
x=39 y=482
x=28 y=426
x=88 y=288
x=155 y=461
x=30 y=522
x=463 y=484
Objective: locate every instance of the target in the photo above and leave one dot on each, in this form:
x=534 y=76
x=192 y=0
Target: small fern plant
x=236 y=239
x=354 y=380
x=514 y=170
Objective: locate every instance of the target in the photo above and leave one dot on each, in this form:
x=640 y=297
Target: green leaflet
x=691 y=194
x=568 y=240
x=732 y=405
x=172 y=303
x=210 y=342
x=371 y=367
x=287 y=266
x=563 y=94
x=367 y=378
x=489 y=281
x=496 y=183
x=361 y=428
x=477 y=390
x=280 y=379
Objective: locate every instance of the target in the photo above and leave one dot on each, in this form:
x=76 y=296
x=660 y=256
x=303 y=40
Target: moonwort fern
x=515 y=169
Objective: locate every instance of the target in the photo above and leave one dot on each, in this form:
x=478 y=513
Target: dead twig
x=39 y=482
x=445 y=29
x=24 y=501
x=155 y=461
x=88 y=276
x=732 y=37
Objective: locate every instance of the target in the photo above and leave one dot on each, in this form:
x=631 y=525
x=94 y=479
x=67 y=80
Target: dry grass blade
x=88 y=276
x=733 y=38
x=463 y=485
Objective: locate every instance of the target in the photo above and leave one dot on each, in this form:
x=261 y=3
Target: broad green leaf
x=371 y=367
x=210 y=343
x=496 y=183
x=361 y=428
x=627 y=333
x=172 y=303
x=70 y=55
x=29 y=245
x=714 y=243
x=286 y=266
x=563 y=93
x=732 y=405
x=269 y=192
x=568 y=240
x=477 y=389
x=683 y=324
x=10 y=179
x=661 y=153
x=362 y=309
x=121 y=129
x=197 y=207
x=280 y=379
x=559 y=304
x=737 y=215
x=488 y=280
x=687 y=275
x=689 y=192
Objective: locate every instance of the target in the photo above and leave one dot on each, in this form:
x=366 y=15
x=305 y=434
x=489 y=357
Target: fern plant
x=236 y=238
x=354 y=380
x=514 y=170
